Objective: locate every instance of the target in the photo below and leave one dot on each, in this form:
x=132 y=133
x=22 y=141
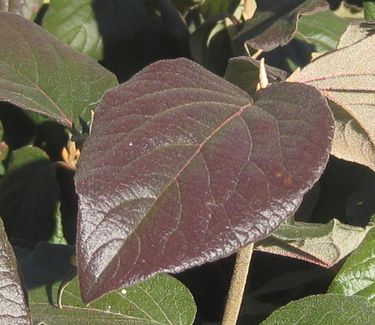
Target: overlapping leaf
x=158 y=301
x=3 y=149
x=74 y=23
x=328 y=309
x=29 y=195
x=183 y=168
x=40 y=74
x=275 y=22
x=243 y=72
x=322 y=29
x=351 y=86
x=357 y=276
x=25 y=8
x=322 y=244
x=369 y=9
x=356 y=32
x=13 y=307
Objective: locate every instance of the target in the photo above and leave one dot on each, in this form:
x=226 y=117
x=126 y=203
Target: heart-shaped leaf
x=351 y=86
x=13 y=307
x=43 y=75
x=74 y=23
x=157 y=301
x=328 y=309
x=25 y=8
x=183 y=168
x=275 y=22
x=357 y=277
x=321 y=244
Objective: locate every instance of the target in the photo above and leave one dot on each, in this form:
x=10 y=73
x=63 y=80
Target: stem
x=237 y=285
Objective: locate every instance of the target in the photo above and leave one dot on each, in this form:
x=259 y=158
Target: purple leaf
x=183 y=168
x=13 y=306
x=25 y=8
x=275 y=22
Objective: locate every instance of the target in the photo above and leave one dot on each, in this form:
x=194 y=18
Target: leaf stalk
x=237 y=285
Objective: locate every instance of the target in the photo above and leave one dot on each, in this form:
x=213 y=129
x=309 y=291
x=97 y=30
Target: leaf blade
x=54 y=80
x=195 y=129
x=275 y=22
x=12 y=300
x=25 y=8
x=160 y=300
x=351 y=87
x=356 y=277
x=330 y=309
x=74 y=23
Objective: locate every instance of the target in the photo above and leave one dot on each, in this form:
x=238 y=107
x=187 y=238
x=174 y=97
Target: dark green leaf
x=275 y=22
x=40 y=74
x=322 y=29
x=183 y=168
x=74 y=23
x=160 y=300
x=328 y=309
x=322 y=244
x=13 y=307
x=185 y=5
x=213 y=7
x=357 y=277
x=243 y=72
x=25 y=8
x=45 y=264
x=3 y=149
x=29 y=195
x=369 y=7
x=210 y=44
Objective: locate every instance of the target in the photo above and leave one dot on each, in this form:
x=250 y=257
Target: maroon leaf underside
x=183 y=168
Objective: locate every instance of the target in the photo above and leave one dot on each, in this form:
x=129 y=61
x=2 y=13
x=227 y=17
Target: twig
x=263 y=79
x=257 y=54
x=237 y=285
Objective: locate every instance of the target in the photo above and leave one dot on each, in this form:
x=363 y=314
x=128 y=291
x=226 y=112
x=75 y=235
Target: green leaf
x=328 y=309
x=74 y=23
x=40 y=74
x=211 y=44
x=160 y=300
x=214 y=7
x=357 y=275
x=322 y=244
x=13 y=306
x=275 y=22
x=29 y=195
x=322 y=29
x=45 y=264
x=369 y=8
x=25 y=8
x=185 y=5
x=3 y=149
